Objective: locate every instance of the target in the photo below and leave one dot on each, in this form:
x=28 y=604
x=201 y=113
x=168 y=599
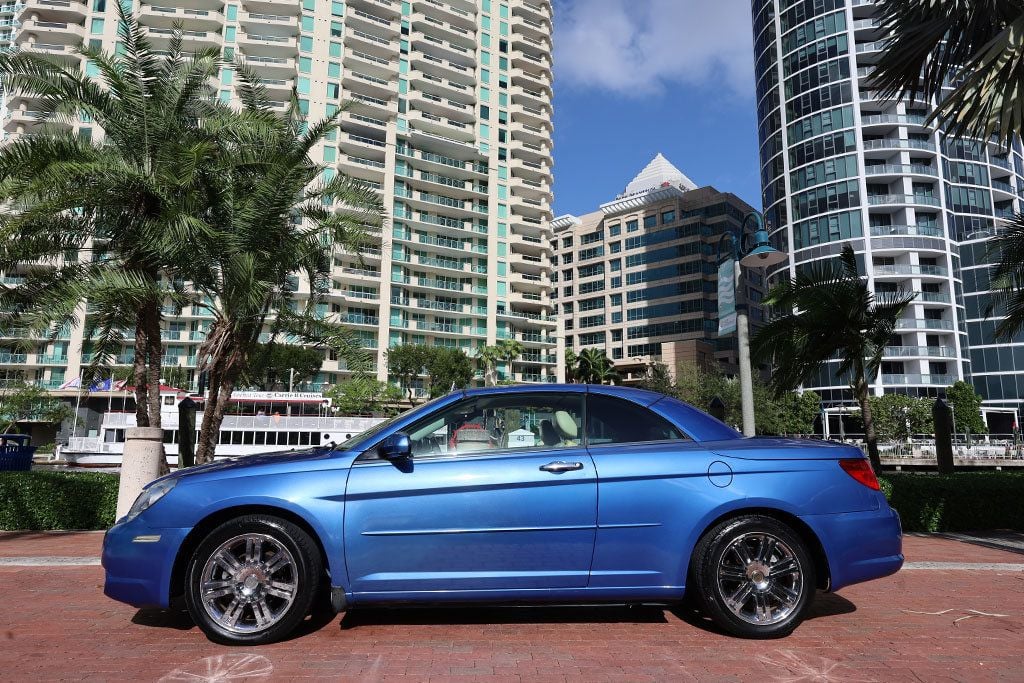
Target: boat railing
x=269 y=422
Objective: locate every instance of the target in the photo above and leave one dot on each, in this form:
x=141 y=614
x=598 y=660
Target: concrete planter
x=143 y=450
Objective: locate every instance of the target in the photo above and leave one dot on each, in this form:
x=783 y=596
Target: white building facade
x=451 y=123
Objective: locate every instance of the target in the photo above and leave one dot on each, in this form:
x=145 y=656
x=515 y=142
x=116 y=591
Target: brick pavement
x=57 y=625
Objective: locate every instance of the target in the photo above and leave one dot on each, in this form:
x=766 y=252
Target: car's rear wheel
x=755 y=577
x=252 y=580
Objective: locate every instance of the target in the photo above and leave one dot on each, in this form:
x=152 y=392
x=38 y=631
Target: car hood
x=281 y=460
x=784 y=449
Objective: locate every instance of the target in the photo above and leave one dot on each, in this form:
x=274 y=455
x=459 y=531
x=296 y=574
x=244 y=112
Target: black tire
x=276 y=582
x=780 y=602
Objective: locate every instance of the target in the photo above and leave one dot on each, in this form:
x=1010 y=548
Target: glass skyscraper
x=451 y=123
x=842 y=164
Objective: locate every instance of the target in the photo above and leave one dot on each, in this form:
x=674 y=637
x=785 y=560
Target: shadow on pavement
x=513 y=614
x=180 y=620
x=825 y=605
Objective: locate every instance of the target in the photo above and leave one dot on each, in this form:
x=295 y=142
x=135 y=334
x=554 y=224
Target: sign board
x=521 y=438
x=727 y=298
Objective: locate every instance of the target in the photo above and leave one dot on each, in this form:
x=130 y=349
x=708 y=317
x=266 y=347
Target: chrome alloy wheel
x=760 y=579
x=248 y=583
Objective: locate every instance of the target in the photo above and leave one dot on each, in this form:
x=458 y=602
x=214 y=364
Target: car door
x=495 y=498
x=653 y=485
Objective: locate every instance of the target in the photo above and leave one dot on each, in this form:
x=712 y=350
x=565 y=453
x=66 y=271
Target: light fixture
x=763 y=255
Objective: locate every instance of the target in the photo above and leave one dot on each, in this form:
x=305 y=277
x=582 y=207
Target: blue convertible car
x=533 y=494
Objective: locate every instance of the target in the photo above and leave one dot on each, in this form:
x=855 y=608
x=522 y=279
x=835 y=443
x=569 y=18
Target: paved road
x=956 y=614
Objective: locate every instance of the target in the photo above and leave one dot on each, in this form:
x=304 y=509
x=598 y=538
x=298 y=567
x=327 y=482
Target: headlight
x=148 y=497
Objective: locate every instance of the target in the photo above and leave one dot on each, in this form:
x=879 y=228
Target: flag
x=75 y=383
x=102 y=385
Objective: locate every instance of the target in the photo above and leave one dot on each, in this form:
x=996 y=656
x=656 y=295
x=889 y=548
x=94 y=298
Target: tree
x=488 y=358
x=24 y=402
x=275 y=214
x=286 y=365
x=658 y=379
x=406 y=362
x=571 y=362
x=594 y=367
x=177 y=377
x=508 y=351
x=966 y=405
x=827 y=312
x=966 y=55
x=899 y=417
x=108 y=216
x=364 y=395
x=447 y=368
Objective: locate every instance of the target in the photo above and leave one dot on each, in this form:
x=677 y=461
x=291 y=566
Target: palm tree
x=827 y=313
x=594 y=367
x=508 y=351
x=571 y=362
x=276 y=213
x=976 y=48
x=488 y=357
x=107 y=217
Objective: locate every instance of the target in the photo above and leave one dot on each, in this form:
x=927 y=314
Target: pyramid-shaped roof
x=659 y=173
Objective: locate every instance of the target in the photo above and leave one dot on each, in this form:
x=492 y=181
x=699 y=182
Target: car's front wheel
x=252 y=580
x=755 y=577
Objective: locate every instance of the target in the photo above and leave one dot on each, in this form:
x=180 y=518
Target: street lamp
x=760 y=255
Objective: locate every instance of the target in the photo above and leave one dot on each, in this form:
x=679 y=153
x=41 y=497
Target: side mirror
x=395 y=447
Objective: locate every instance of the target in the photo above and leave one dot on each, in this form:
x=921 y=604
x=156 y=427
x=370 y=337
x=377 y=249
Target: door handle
x=559 y=466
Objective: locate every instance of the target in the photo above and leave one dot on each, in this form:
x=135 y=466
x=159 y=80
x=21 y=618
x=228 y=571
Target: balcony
x=928 y=380
x=56 y=10
x=910 y=270
x=902 y=199
x=922 y=324
x=921 y=230
x=920 y=352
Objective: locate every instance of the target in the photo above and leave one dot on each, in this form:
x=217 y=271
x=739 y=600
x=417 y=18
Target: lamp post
x=760 y=255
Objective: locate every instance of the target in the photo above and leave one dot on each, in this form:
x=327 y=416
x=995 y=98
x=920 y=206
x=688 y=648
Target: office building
x=451 y=123
x=637 y=277
x=844 y=164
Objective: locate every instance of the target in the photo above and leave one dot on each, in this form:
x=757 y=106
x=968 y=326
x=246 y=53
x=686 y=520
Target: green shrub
x=57 y=500
x=967 y=501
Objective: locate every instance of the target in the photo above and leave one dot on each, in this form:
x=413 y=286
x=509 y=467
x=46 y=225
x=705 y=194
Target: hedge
x=965 y=501
x=57 y=500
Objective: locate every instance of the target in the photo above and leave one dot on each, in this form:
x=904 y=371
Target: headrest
x=548 y=433
x=565 y=424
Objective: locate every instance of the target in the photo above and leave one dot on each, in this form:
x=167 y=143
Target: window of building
x=650 y=221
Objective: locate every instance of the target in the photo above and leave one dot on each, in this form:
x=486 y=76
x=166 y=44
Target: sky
x=638 y=77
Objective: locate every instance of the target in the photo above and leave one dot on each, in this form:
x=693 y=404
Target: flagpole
x=78 y=403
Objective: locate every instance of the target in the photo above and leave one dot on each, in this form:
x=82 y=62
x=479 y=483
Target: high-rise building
x=637 y=277
x=451 y=123
x=844 y=164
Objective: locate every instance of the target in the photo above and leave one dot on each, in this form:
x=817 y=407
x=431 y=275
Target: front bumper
x=138 y=561
x=860 y=546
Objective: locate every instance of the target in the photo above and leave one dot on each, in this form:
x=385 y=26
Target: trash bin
x=15 y=453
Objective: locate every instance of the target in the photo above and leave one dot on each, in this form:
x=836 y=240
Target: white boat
x=258 y=422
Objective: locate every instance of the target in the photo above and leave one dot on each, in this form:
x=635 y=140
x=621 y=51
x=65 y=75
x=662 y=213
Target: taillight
x=860 y=469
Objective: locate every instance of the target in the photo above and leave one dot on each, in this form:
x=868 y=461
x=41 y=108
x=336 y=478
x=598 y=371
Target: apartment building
x=451 y=123
x=844 y=164
x=637 y=278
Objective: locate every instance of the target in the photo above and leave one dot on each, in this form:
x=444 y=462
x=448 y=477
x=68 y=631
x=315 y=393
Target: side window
x=504 y=422
x=613 y=420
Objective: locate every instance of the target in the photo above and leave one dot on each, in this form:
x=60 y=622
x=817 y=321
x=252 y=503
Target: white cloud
x=638 y=47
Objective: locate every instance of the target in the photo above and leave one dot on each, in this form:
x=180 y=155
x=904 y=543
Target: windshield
x=370 y=433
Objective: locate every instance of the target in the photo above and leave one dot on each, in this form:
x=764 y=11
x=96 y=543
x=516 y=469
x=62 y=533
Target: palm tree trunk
x=207 y=441
x=870 y=436
x=139 y=373
x=154 y=358
x=154 y=353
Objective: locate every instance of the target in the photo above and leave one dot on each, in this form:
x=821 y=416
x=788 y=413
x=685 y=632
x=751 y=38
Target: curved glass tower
x=840 y=164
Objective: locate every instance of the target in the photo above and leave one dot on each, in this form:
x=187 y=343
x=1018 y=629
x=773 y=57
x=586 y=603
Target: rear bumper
x=860 y=546
x=138 y=561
